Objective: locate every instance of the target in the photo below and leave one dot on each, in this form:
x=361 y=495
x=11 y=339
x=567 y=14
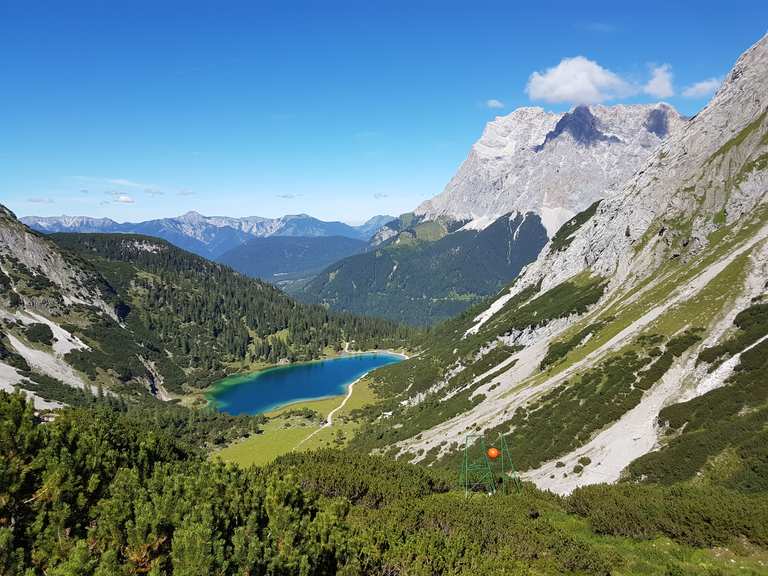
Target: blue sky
x=136 y=110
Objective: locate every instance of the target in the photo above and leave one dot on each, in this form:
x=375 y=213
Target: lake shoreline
x=342 y=354
x=237 y=379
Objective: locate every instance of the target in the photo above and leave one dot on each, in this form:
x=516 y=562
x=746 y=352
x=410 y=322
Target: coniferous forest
x=113 y=489
x=196 y=318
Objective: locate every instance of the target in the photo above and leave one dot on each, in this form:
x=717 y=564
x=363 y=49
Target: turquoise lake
x=275 y=387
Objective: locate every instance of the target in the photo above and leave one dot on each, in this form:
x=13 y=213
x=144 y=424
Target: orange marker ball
x=493 y=453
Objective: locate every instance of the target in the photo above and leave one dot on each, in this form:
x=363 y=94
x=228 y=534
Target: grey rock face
x=700 y=171
x=554 y=165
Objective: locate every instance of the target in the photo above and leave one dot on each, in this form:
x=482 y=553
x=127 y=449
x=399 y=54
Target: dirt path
x=329 y=418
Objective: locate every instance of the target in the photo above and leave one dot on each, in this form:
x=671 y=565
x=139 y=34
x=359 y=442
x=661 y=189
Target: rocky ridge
x=663 y=268
x=554 y=165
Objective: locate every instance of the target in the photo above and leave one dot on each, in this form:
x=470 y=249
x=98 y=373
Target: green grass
x=429 y=231
x=658 y=287
x=564 y=236
x=285 y=432
x=719 y=217
x=758 y=164
x=663 y=556
x=263 y=448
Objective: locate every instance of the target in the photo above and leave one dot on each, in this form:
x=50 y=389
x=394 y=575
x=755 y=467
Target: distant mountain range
x=211 y=236
x=288 y=260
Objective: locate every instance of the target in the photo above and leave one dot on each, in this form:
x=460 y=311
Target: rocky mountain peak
x=7 y=212
x=192 y=217
x=582 y=125
x=709 y=174
x=656 y=121
x=554 y=165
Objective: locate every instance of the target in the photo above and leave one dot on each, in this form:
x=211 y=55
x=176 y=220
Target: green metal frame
x=508 y=473
x=478 y=472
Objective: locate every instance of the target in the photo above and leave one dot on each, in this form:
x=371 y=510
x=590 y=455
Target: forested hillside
x=135 y=315
x=104 y=490
x=430 y=271
x=286 y=261
x=208 y=317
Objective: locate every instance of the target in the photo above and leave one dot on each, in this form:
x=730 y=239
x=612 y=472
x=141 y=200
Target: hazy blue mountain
x=210 y=236
x=373 y=225
x=284 y=260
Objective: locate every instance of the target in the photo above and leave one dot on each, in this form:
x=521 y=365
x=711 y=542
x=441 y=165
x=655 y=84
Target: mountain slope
x=427 y=274
x=532 y=166
x=554 y=165
x=136 y=315
x=373 y=225
x=343 y=512
x=284 y=260
x=210 y=236
x=640 y=329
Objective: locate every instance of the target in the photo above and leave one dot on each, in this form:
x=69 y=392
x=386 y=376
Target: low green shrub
x=39 y=333
x=697 y=516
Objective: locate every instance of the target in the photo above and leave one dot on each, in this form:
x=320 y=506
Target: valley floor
x=302 y=426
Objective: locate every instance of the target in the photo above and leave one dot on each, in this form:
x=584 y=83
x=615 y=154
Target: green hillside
x=285 y=260
x=195 y=320
x=429 y=272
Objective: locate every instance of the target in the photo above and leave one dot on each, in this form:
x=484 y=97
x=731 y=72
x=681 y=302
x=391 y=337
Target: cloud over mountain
x=702 y=89
x=577 y=80
x=660 y=84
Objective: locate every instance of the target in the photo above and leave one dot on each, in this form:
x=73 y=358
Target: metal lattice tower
x=509 y=475
x=480 y=473
x=476 y=473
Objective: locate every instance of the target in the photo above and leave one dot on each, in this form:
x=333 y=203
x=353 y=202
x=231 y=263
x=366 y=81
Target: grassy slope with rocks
x=631 y=331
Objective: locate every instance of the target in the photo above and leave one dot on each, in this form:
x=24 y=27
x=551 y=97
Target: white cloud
x=578 y=81
x=703 y=88
x=185 y=193
x=660 y=84
x=494 y=104
x=39 y=200
x=125 y=183
x=124 y=199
